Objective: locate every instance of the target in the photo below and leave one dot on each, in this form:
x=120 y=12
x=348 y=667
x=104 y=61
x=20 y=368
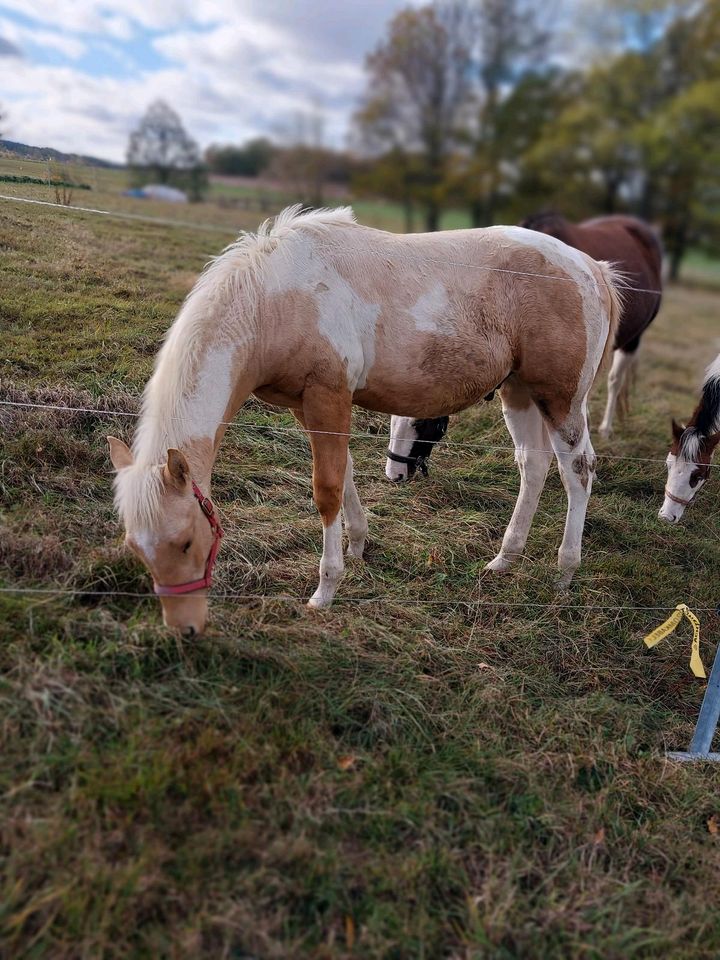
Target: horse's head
x=547 y=221
x=688 y=464
x=172 y=528
x=411 y=443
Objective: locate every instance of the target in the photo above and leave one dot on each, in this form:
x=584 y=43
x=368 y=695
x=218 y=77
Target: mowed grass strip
x=406 y=775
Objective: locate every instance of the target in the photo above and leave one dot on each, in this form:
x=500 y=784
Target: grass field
x=410 y=774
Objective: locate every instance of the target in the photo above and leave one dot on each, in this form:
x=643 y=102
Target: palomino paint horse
x=635 y=250
x=317 y=313
x=692 y=449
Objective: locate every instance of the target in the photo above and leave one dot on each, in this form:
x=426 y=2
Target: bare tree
x=302 y=162
x=508 y=41
x=161 y=146
x=418 y=85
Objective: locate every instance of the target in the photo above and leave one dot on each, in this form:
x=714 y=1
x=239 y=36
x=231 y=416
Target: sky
x=77 y=75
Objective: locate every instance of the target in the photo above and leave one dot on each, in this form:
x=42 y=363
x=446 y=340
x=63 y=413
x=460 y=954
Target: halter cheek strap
x=205 y=581
x=419 y=463
x=671 y=496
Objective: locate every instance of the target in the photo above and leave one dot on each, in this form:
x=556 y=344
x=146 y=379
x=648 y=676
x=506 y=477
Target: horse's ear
x=120 y=453
x=177 y=469
x=678 y=429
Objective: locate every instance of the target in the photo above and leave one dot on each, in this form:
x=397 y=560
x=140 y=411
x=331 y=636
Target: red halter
x=671 y=496
x=206 y=581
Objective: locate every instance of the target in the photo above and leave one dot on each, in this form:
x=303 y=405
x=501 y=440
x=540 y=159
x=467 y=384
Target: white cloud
x=231 y=68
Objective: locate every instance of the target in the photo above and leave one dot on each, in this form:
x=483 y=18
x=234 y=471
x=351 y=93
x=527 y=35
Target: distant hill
x=26 y=152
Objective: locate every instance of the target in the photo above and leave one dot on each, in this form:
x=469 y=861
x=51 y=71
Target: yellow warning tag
x=665 y=629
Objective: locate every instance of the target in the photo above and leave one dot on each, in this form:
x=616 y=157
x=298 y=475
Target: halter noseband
x=206 y=581
x=420 y=463
x=671 y=496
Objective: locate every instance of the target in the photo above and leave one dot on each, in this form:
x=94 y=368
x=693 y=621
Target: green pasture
x=442 y=765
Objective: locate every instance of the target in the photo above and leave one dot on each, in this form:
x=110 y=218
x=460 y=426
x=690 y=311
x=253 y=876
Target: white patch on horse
x=403 y=434
x=147 y=541
x=430 y=311
x=345 y=319
x=678 y=484
x=205 y=407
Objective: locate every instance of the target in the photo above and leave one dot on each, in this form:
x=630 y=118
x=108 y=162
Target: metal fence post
x=707 y=721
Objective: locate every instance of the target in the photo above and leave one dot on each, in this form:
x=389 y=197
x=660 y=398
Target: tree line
x=494 y=107
x=468 y=104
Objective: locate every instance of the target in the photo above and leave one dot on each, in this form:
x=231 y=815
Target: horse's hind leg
x=619 y=383
x=356 y=525
x=326 y=417
x=533 y=455
x=576 y=461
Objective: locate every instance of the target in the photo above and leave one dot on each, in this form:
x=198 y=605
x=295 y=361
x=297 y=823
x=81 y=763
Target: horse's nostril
x=189 y=632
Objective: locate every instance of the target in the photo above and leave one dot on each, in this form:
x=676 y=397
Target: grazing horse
x=317 y=313
x=634 y=248
x=692 y=449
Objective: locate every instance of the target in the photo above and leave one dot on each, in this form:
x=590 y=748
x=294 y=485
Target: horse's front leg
x=354 y=518
x=326 y=416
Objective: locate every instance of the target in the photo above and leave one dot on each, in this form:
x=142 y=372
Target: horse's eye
x=187 y=546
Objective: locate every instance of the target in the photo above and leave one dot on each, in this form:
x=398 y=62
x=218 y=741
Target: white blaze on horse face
x=431 y=312
x=403 y=435
x=146 y=541
x=678 y=484
x=345 y=319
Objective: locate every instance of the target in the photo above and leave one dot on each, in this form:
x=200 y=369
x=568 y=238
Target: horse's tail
x=614 y=281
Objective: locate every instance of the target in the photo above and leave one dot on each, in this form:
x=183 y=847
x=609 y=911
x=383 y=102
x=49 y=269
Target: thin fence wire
x=333 y=433
x=248 y=597
x=124 y=215
x=414 y=261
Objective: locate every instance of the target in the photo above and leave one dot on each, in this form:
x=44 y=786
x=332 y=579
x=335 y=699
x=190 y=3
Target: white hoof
x=316 y=602
x=605 y=431
x=499 y=565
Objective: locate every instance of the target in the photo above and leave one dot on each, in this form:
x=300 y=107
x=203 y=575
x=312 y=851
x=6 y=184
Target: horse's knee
x=327 y=497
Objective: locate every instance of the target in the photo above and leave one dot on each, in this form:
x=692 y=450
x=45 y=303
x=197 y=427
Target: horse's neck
x=189 y=408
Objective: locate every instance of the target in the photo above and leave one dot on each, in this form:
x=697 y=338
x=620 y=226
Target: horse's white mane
x=232 y=279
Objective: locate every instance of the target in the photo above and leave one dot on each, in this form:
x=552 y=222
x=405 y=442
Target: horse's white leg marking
x=533 y=455
x=620 y=372
x=577 y=469
x=332 y=566
x=356 y=523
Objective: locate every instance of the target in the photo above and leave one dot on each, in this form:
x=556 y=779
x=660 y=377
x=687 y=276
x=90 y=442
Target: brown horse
x=634 y=248
x=317 y=313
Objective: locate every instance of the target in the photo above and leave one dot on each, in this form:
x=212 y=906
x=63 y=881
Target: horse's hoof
x=355 y=549
x=562 y=584
x=318 y=603
x=499 y=565
x=605 y=432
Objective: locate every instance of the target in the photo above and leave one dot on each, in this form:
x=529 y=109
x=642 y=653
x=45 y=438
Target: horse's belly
x=440 y=379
